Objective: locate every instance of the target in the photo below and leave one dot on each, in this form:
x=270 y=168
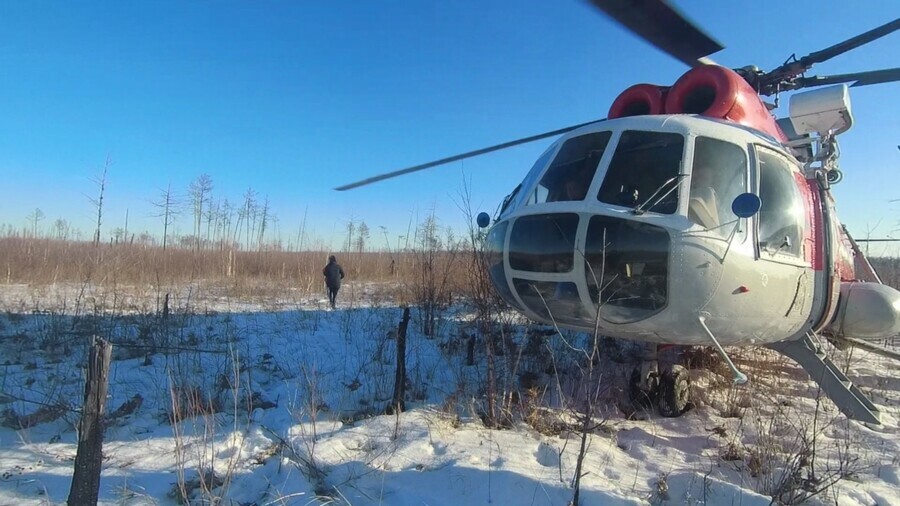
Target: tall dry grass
x=44 y=261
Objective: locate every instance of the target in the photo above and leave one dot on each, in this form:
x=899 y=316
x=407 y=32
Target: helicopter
x=691 y=216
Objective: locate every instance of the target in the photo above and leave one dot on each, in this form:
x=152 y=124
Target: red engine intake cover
x=718 y=92
x=638 y=100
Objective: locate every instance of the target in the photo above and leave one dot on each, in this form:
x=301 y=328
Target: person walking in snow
x=333 y=275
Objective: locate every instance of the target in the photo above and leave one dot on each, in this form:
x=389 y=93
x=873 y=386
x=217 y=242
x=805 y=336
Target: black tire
x=674 y=392
x=640 y=397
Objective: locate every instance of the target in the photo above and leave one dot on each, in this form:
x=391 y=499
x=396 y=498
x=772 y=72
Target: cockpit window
x=718 y=175
x=644 y=172
x=627 y=268
x=781 y=214
x=572 y=171
x=518 y=196
x=509 y=199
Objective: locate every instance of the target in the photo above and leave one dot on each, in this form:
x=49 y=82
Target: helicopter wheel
x=643 y=394
x=674 y=392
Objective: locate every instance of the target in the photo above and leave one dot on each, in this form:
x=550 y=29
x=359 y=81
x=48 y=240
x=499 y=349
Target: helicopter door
x=783 y=277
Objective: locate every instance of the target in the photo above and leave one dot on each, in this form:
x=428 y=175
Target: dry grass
x=44 y=261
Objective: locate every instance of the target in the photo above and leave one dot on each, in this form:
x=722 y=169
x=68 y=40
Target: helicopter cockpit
x=590 y=230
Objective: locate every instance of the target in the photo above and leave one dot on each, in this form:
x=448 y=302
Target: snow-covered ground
x=281 y=402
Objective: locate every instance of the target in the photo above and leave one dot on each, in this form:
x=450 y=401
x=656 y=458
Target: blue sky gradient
x=295 y=98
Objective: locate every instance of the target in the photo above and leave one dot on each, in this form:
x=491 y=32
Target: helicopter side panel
x=762 y=303
x=754 y=301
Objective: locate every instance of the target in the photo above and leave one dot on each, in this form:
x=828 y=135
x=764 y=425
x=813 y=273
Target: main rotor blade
x=780 y=77
x=851 y=43
x=665 y=27
x=463 y=156
x=858 y=78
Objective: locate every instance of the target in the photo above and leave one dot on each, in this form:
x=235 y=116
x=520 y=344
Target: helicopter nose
x=621 y=274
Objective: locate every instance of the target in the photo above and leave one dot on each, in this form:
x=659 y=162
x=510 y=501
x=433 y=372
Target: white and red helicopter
x=691 y=216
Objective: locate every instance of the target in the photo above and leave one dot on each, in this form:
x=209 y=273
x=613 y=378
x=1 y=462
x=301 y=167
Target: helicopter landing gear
x=669 y=390
x=643 y=390
x=674 y=392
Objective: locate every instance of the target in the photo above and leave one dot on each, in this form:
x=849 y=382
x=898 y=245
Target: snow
x=299 y=394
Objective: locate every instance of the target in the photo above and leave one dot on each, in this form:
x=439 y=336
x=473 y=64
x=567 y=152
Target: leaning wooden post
x=85 y=487
x=397 y=404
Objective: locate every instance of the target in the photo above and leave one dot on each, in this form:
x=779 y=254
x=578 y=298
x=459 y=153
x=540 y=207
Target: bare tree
x=199 y=191
x=302 y=232
x=226 y=215
x=125 y=233
x=265 y=218
x=212 y=218
x=362 y=235
x=351 y=228
x=33 y=218
x=61 y=227
x=435 y=258
x=247 y=215
x=118 y=235
x=100 y=181
x=168 y=207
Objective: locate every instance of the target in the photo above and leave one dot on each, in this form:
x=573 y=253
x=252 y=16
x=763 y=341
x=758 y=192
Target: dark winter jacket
x=333 y=274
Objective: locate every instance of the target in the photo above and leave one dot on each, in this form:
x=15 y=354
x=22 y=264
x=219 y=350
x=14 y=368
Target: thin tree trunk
x=397 y=404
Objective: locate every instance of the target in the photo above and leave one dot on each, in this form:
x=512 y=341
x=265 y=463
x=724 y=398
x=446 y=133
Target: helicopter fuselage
x=626 y=227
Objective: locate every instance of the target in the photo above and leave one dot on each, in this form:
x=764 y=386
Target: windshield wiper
x=640 y=209
x=509 y=198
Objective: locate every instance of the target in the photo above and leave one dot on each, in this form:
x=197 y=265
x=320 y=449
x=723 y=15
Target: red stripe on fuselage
x=814 y=236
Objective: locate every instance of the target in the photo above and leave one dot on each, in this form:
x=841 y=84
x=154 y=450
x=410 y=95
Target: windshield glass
x=645 y=165
x=572 y=171
x=627 y=268
x=517 y=196
x=780 y=217
x=719 y=174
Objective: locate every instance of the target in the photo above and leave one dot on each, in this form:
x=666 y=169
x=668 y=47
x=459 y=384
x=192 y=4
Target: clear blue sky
x=294 y=98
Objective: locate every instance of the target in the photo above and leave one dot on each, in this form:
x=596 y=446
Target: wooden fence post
x=85 y=487
x=397 y=404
